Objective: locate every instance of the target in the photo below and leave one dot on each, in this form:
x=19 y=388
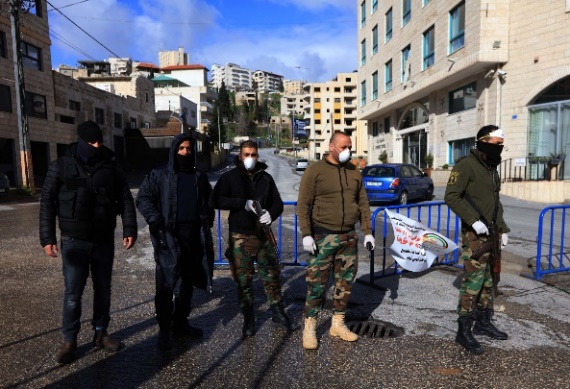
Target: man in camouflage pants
x=473 y=194
x=236 y=191
x=332 y=199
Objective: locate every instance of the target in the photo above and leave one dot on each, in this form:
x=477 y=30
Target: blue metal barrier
x=556 y=261
x=437 y=214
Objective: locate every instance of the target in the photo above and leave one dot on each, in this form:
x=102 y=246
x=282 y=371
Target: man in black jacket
x=235 y=191
x=174 y=202
x=86 y=191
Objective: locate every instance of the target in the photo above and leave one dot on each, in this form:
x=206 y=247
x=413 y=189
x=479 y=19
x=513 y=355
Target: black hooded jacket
x=157 y=201
x=86 y=199
x=237 y=186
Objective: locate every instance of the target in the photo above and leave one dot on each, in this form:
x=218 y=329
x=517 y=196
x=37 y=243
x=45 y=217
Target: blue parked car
x=396 y=182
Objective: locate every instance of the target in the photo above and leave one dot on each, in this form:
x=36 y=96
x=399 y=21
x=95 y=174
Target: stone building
x=432 y=72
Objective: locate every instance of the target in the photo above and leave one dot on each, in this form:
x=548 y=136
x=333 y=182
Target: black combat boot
x=184 y=329
x=102 y=339
x=248 y=322
x=66 y=353
x=465 y=336
x=484 y=326
x=164 y=339
x=280 y=317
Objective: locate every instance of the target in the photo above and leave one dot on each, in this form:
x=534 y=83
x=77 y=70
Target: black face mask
x=184 y=163
x=492 y=151
x=88 y=153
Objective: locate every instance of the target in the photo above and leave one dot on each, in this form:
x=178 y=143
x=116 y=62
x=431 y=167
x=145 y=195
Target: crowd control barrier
x=434 y=215
x=553 y=236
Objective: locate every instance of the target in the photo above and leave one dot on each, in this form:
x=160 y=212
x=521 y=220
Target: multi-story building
x=293 y=87
x=172 y=58
x=293 y=104
x=189 y=81
x=234 y=77
x=266 y=82
x=330 y=107
x=55 y=103
x=433 y=72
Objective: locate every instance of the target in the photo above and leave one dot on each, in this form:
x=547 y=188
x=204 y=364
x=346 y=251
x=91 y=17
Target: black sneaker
x=164 y=340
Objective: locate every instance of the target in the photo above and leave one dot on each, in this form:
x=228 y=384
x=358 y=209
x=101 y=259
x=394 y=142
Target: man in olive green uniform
x=331 y=201
x=473 y=194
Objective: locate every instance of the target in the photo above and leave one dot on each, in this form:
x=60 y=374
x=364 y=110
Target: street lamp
x=172 y=115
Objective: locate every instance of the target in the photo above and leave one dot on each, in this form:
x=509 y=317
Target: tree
x=224 y=103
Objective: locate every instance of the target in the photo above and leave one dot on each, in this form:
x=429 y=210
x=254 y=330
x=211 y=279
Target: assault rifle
x=266 y=229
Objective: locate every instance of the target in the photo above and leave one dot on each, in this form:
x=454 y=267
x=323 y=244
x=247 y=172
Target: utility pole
x=21 y=112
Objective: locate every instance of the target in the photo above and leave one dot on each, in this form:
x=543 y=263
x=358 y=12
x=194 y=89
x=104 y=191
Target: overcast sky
x=298 y=39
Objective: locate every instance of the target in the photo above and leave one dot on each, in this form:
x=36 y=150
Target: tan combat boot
x=338 y=328
x=310 y=333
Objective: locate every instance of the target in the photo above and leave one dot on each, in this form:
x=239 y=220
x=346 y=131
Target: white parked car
x=301 y=164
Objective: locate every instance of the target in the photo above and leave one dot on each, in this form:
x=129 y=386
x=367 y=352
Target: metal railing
x=552 y=235
x=434 y=215
x=531 y=169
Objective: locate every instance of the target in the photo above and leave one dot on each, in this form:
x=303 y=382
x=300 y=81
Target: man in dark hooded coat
x=174 y=202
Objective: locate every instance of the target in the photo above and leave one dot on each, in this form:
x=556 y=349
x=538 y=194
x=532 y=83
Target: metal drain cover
x=372 y=328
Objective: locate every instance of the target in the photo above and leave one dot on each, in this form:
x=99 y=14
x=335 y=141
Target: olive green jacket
x=332 y=197
x=471 y=177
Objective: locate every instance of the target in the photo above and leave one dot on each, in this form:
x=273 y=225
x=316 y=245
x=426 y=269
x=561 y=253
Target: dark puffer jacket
x=237 y=186
x=86 y=199
x=157 y=201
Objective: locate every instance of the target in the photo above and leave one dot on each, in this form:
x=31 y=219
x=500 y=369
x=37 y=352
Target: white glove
x=265 y=218
x=480 y=228
x=504 y=239
x=369 y=239
x=309 y=244
x=249 y=206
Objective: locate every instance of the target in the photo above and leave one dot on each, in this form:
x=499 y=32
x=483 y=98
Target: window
x=99 y=116
x=374 y=85
x=425 y=2
x=374 y=6
x=133 y=123
x=363 y=52
x=457 y=28
x=463 y=98
x=117 y=120
x=363 y=93
x=362 y=14
x=67 y=119
x=146 y=99
x=388 y=25
x=460 y=148
x=374 y=128
x=406 y=12
x=5 y=98
x=36 y=8
x=429 y=47
x=375 y=40
x=31 y=56
x=406 y=66
x=74 y=105
x=387 y=124
x=36 y=105
x=3 y=52
x=388 y=76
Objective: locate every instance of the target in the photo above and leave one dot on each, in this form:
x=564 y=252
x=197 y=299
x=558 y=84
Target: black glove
x=157 y=228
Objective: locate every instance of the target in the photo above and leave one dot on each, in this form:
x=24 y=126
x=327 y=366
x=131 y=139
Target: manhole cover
x=375 y=329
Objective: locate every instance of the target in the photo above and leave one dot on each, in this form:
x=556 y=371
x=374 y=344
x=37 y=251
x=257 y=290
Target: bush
x=445 y=167
x=429 y=160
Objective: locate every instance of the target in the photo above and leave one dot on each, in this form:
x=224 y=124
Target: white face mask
x=249 y=163
x=344 y=156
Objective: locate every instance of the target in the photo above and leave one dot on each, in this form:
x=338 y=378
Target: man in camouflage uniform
x=235 y=191
x=473 y=194
x=332 y=199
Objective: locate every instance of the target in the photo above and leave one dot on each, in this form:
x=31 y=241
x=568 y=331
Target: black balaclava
x=492 y=151
x=89 y=131
x=185 y=163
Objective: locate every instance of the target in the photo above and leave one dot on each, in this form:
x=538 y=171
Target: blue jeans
x=79 y=257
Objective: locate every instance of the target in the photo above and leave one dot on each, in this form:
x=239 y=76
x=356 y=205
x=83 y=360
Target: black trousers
x=170 y=309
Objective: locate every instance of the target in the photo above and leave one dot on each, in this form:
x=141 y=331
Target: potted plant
x=383 y=157
x=554 y=159
x=429 y=164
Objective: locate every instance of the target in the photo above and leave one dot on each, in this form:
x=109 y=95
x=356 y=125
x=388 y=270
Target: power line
x=66 y=42
x=89 y=35
x=69 y=5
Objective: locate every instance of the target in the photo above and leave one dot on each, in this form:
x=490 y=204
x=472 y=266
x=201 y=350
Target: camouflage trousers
x=245 y=249
x=339 y=252
x=477 y=284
